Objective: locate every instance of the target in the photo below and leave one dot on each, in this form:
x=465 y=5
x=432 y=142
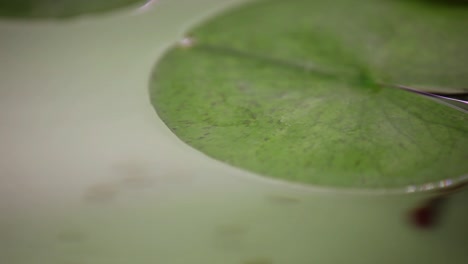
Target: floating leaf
x=302 y=91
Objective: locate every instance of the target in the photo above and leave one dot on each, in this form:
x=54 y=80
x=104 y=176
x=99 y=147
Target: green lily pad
x=58 y=8
x=303 y=91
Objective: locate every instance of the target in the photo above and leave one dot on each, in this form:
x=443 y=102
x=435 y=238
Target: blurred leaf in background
x=59 y=8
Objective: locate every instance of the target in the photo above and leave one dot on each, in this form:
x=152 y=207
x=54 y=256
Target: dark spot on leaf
x=254 y=104
x=430 y=212
x=427 y=215
x=243 y=87
x=423 y=216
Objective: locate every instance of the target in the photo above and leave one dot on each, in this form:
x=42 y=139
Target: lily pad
x=304 y=91
x=58 y=8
